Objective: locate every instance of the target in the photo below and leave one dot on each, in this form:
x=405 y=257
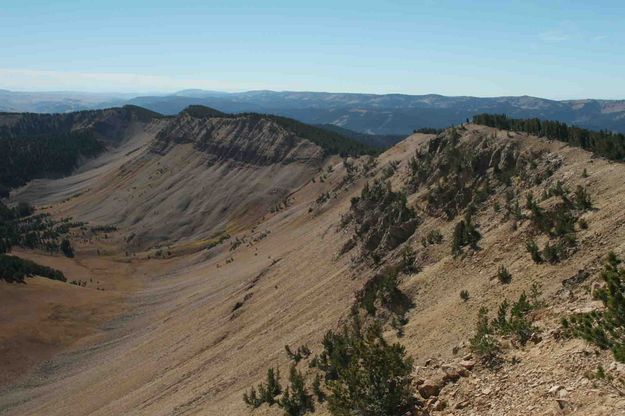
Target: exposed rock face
x=431 y=387
x=381 y=219
x=460 y=169
x=249 y=139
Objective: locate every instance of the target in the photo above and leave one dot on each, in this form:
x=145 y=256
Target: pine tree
x=504 y=275
x=372 y=376
x=606 y=328
x=296 y=401
x=66 y=248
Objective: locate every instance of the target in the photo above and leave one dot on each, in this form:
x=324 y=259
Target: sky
x=552 y=49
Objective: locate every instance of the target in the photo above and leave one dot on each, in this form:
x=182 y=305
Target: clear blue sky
x=553 y=49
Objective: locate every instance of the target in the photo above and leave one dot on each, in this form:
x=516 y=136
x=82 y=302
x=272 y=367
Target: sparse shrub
x=390 y=169
x=582 y=199
x=434 y=237
x=375 y=213
x=251 y=399
x=464 y=295
x=605 y=328
x=534 y=251
x=272 y=388
x=518 y=324
x=302 y=352
x=551 y=253
x=509 y=321
x=409 y=261
x=296 y=401
x=267 y=391
x=583 y=224
x=483 y=343
x=383 y=291
x=465 y=234
x=504 y=275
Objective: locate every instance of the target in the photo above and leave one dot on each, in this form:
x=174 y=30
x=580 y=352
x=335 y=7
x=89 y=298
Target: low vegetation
x=605 y=328
x=512 y=320
x=465 y=234
x=364 y=374
x=301 y=352
x=381 y=220
x=266 y=392
x=296 y=400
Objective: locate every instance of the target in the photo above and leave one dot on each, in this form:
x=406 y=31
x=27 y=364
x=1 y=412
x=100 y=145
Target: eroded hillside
x=417 y=241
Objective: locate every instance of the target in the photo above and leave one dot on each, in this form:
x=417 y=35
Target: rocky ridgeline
x=247 y=139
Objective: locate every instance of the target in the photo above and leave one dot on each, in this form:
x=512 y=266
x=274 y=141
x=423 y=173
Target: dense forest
x=41 y=145
x=604 y=143
x=14 y=270
x=379 y=141
x=26 y=158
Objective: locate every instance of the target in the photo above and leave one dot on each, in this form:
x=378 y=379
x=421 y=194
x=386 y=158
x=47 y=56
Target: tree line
x=603 y=142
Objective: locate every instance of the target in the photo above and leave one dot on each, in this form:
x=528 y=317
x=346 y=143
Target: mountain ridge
x=364 y=113
x=216 y=306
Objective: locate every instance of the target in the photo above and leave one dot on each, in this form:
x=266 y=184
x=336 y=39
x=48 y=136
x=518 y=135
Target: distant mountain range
x=389 y=114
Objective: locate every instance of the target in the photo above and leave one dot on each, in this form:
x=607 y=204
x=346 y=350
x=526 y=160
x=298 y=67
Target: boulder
x=431 y=387
x=469 y=364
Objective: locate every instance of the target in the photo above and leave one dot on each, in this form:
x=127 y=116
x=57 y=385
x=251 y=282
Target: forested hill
x=42 y=145
x=603 y=143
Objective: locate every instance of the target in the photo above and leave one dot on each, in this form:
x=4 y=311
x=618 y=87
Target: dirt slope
x=205 y=325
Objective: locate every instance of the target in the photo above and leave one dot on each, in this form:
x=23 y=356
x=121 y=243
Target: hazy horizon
x=133 y=94
x=569 y=50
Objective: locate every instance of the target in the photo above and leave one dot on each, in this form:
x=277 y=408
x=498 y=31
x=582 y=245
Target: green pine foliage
x=382 y=291
x=605 y=328
x=376 y=214
x=504 y=275
x=296 y=401
x=483 y=343
x=465 y=234
x=534 y=251
x=409 y=261
x=14 y=270
x=266 y=392
x=365 y=374
x=604 y=143
x=37 y=145
x=317 y=390
x=34 y=157
x=301 y=352
x=66 y=248
x=20 y=226
x=558 y=222
x=512 y=320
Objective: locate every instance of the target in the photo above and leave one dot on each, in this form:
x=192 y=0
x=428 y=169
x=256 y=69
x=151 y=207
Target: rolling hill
x=387 y=114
